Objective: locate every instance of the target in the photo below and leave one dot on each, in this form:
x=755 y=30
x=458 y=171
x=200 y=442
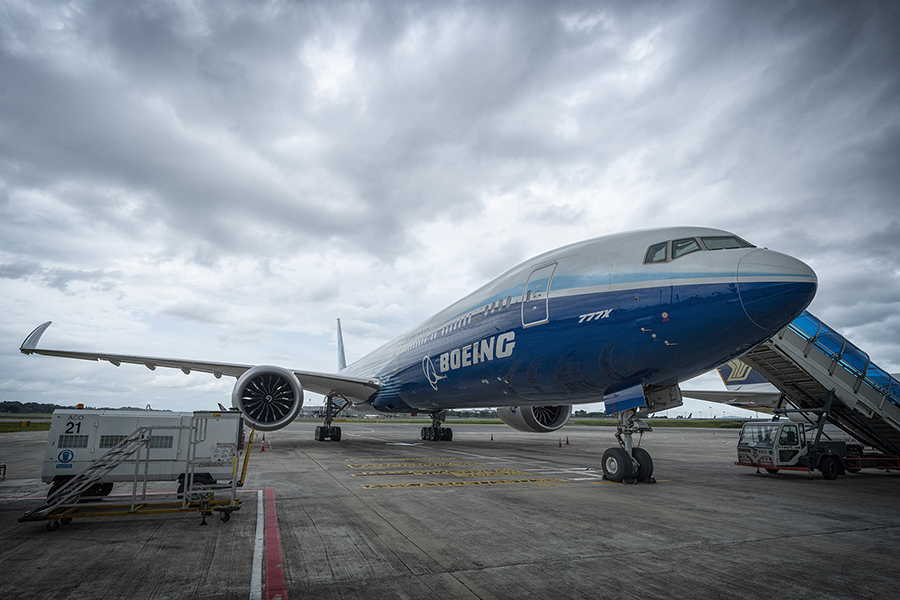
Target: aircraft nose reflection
x=774 y=288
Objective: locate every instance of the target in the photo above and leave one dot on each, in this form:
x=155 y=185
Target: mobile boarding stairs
x=808 y=362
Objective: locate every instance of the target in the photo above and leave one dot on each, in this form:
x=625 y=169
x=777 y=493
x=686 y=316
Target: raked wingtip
x=33 y=338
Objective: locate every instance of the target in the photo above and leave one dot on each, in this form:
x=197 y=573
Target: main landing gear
x=626 y=463
x=436 y=433
x=328 y=431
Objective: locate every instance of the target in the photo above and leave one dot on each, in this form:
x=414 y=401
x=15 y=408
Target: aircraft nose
x=774 y=288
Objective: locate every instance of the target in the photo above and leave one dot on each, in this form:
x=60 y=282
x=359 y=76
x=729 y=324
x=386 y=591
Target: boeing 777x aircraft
x=621 y=318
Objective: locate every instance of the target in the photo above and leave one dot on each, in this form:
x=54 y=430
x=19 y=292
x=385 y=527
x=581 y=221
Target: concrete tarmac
x=384 y=515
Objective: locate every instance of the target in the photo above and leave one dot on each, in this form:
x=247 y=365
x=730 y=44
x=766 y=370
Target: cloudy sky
x=221 y=180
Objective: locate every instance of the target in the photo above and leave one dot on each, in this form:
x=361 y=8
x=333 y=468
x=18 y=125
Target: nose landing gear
x=627 y=464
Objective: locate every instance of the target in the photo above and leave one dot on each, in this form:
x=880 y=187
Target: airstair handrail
x=874 y=376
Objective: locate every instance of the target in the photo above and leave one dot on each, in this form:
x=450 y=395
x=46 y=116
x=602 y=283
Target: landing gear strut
x=436 y=433
x=328 y=431
x=626 y=463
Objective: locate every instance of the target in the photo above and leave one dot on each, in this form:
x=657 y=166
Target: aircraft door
x=535 y=298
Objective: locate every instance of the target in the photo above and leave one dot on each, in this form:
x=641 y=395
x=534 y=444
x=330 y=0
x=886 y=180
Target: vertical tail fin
x=736 y=374
x=342 y=360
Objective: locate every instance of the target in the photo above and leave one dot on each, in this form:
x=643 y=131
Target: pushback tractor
x=89 y=451
x=784 y=445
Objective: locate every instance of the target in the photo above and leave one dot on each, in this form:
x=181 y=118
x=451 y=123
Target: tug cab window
x=656 y=253
x=789 y=436
x=685 y=246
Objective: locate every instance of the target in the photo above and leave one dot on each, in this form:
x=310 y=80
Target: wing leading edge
x=355 y=389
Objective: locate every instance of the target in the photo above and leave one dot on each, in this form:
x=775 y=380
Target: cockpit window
x=685 y=246
x=725 y=242
x=656 y=253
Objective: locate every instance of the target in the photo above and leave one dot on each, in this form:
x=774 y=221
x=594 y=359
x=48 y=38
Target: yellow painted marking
x=457 y=473
x=376 y=486
x=401 y=465
x=405 y=458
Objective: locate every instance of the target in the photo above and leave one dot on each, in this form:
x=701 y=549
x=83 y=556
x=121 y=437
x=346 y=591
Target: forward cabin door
x=535 y=307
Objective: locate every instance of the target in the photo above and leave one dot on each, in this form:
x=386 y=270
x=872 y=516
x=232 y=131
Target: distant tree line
x=29 y=407
x=14 y=407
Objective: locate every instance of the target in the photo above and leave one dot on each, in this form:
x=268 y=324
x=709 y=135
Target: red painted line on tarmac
x=275 y=585
x=24 y=498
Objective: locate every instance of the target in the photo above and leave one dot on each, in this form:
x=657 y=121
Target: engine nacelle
x=535 y=419
x=268 y=397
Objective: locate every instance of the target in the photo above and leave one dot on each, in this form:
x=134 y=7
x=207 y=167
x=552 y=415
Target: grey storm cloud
x=159 y=149
x=59 y=279
x=185 y=105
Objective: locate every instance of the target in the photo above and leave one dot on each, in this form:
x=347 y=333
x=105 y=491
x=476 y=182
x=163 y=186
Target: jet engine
x=269 y=397
x=535 y=419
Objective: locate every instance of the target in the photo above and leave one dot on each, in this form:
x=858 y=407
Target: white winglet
x=33 y=338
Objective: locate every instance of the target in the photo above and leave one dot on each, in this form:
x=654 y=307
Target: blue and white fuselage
x=622 y=319
x=596 y=317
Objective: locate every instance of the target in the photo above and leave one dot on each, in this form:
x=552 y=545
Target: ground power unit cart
x=88 y=451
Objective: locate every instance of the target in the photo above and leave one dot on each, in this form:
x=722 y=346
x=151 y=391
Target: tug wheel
x=829 y=468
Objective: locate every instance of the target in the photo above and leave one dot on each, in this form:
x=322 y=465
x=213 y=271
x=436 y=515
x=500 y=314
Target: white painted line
x=256 y=575
x=481 y=456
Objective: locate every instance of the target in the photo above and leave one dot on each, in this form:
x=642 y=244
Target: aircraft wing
x=748 y=400
x=355 y=389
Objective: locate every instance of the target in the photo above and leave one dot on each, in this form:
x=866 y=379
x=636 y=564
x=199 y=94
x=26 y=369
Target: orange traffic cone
x=567 y=440
x=560 y=442
x=262 y=446
x=492 y=437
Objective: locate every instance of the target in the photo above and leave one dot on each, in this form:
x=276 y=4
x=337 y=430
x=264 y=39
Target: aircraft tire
x=829 y=468
x=617 y=465
x=772 y=471
x=446 y=434
x=645 y=464
x=319 y=436
x=423 y=433
x=335 y=434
